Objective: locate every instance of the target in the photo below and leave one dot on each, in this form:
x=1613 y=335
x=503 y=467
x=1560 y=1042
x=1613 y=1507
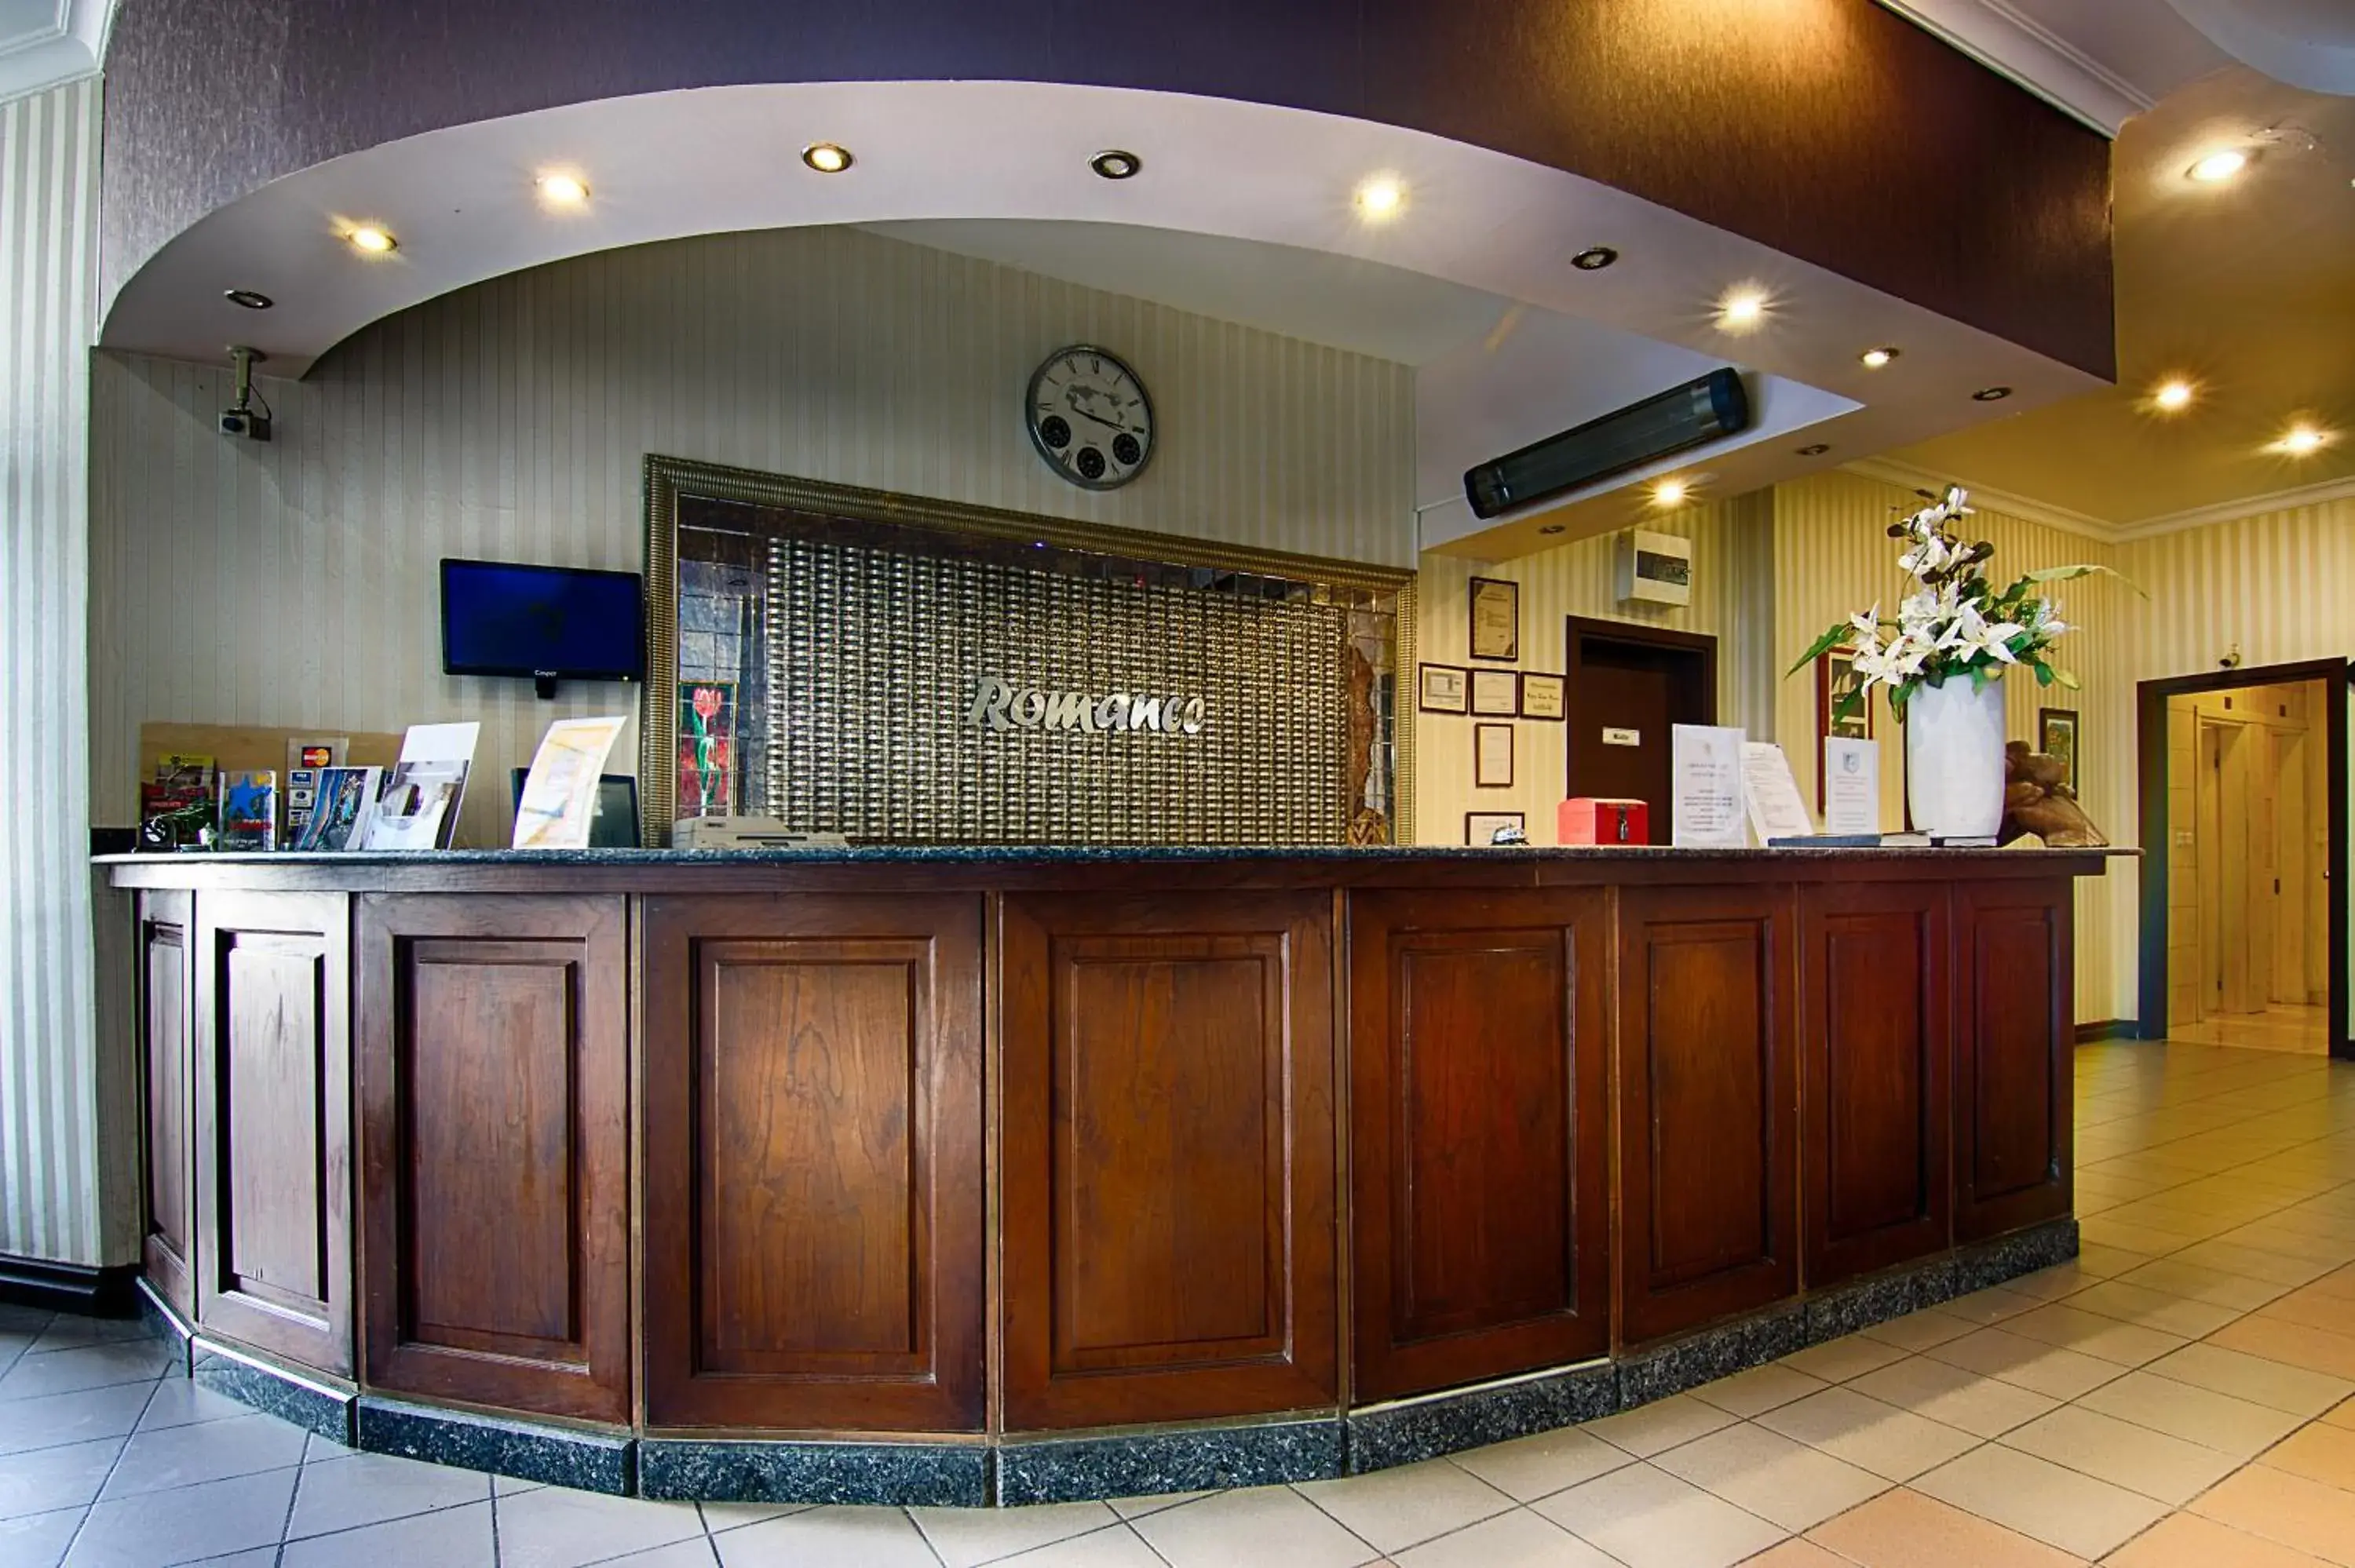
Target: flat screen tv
x=551 y=623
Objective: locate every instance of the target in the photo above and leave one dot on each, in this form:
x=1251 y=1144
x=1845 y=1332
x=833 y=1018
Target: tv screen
x=502 y=619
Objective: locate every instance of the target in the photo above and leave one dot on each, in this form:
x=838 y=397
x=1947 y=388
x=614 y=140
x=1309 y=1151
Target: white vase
x=1954 y=757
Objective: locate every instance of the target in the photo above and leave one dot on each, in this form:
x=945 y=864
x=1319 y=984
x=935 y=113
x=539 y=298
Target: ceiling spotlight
x=1990 y=394
x=1815 y=449
x=1668 y=492
x=1594 y=257
x=1113 y=163
x=1380 y=197
x=253 y=300
x=2172 y=397
x=2219 y=165
x=1740 y=312
x=562 y=190
x=826 y=157
x=1551 y=527
x=1874 y=358
x=2301 y=440
x=375 y=241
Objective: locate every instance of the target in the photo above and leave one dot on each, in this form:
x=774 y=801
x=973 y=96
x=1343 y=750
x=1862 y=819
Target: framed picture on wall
x=1480 y=827
x=1544 y=697
x=1496 y=631
x=1446 y=689
x=2056 y=735
x=1496 y=693
x=1836 y=680
x=1492 y=756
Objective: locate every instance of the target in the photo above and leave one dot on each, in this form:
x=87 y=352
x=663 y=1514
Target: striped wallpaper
x=294 y=584
x=56 y=1194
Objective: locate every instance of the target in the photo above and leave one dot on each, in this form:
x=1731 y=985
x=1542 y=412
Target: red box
x=1591 y=820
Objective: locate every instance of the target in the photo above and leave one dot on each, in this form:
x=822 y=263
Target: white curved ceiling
x=2305 y=43
x=46 y=42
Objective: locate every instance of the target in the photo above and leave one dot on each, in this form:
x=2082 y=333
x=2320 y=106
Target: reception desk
x=965 y=1176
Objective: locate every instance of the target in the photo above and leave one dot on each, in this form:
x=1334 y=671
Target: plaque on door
x=1622 y=736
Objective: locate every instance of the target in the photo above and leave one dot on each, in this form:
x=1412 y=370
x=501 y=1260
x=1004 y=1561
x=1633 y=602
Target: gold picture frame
x=1494 y=610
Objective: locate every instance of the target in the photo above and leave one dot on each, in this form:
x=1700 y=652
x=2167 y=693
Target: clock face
x=1089 y=419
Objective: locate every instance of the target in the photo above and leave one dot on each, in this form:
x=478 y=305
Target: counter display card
x=559 y=795
x=248 y=810
x=1776 y=809
x=176 y=807
x=419 y=807
x=1851 y=785
x=1705 y=788
x=307 y=756
x=339 y=816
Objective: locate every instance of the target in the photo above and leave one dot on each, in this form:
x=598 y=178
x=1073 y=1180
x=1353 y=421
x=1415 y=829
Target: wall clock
x=1089 y=418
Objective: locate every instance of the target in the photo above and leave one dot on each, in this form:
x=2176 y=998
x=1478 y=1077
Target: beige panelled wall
x=294 y=584
x=55 y=1090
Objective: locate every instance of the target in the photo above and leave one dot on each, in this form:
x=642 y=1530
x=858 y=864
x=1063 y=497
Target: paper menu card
x=1851 y=785
x=1705 y=786
x=419 y=807
x=1777 y=810
x=559 y=794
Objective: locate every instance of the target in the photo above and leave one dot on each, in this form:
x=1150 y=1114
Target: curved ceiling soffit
x=1804 y=130
x=2305 y=43
x=675 y=165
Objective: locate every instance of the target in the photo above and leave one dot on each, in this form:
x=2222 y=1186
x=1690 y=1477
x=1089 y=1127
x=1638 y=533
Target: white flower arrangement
x=1952 y=624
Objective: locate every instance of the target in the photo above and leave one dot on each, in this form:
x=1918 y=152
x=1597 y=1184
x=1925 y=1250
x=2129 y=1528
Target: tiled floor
x=2304 y=1029
x=2180 y=1395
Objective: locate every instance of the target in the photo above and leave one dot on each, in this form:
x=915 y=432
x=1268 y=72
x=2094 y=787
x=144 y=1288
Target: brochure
x=1776 y=809
x=559 y=794
x=1705 y=762
x=338 y=821
x=419 y=807
x=248 y=811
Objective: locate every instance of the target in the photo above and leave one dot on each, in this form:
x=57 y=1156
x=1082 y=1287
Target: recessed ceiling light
x=1815 y=449
x=1381 y=198
x=375 y=241
x=2172 y=396
x=2220 y=165
x=1668 y=492
x=253 y=300
x=826 y=157
x=563 y=190
x=1594 y=257
x=1551 y=527
x=1742 y=309
x=1874 y=358
x=2301 y=440
x=1113 y=163
x=1991 y=394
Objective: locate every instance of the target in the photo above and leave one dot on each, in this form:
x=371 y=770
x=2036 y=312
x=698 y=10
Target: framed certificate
x=1543 y=696
x=1480 y=827
x=1496 y=619
x=1445 y=689
x=1492 y=756
x=1496 y=693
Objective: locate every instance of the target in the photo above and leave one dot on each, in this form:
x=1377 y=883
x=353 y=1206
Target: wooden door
x=1167 y=1157
x=494 y=1109
x=1874 y=1032
x=1708 y=1106
x=273 y=1123
x=1479 y=1116
x=1629 y=685
x=2014 y=1039
x=168 y=1077
x=812 y=1093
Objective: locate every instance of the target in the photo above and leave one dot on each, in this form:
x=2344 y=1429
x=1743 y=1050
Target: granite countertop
x=1065 y=854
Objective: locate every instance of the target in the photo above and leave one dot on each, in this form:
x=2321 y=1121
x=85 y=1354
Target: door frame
x=2151 y=773
x=1578 y=629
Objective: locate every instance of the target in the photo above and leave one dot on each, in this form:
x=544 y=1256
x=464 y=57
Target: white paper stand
x=1851 y=785
x=1705 y=786
x=1777 y=810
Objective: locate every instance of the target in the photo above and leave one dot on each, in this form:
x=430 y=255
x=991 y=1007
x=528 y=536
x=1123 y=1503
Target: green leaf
x=2045 y=674
x=1838 y=636
x=2066 y=574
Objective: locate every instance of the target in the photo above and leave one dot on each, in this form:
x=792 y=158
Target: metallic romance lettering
x=998 y=707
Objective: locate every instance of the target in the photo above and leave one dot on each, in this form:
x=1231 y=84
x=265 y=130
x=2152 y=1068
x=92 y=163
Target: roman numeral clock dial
x=1089 y=418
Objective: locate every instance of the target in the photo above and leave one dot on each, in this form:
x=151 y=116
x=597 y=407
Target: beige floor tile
x=2316 y=1350
x=2052 y=1284
x=1137 y=1508
x=2248 y=1263
x=2312 y=1308
x=30 y=1376
x=1664 y=1424
x=2253 y=1378
x=40 y=1539
x=1264 y=1524
x=1393 y=1509
x=367 y=1489
x=2148 y=1240
x=1983 y=1406
x=1745 y=1393
x=2339 y=1283
x=2090 y=1334
x=1990 y=1305
x=1118 y=1547
x=1904 y=1529
x=1769 y=1475
x=67 y=1418
x=1528 y=1468
x=211 y=1519
x=555 y=1527
x=1864 y=1432
x=2031 y=1364
x=832 y=1537
x=2343 y=1416
x=2195 y=1283
x=180 y=1455
x=2330 y=1251
x=717 y=1516
x=1917 y=1332
x=2057 y=1506
x=2320 y=1453
x=2168 y=1469
x=453 y=1538
x=1837 y=1360
x=1517 y=1540
x=2238 y=1427
x=1649 y=1519
x=2150 y=1309
x=696 y=1552
x=2306 y=1515
x=1797 y=1553
x=2109 y=1261
x=966 y=1536
x=2187 y=1540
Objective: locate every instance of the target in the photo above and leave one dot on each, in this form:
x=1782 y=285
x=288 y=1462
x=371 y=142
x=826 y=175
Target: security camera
x=2231 y=661
x=242 y=417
